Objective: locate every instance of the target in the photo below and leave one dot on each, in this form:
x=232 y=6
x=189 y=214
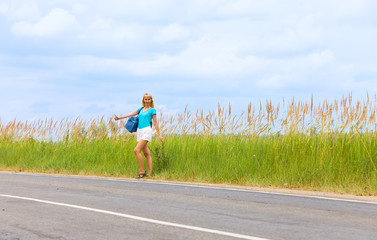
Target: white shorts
x=144 y=134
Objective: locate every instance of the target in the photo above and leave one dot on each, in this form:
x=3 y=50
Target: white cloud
x=298 y=71
x=276 y=81
x=245 y=7
x=239 y=46
x=79 y=8
x=172 y=32
x=4 y=7
x=27 y=11
x=318 y=59
x=104 y=33
x=56 y=22
x=204 y=58
x=209 y=59
x=351 y=8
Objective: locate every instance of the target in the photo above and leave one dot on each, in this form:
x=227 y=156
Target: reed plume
x=289 y=117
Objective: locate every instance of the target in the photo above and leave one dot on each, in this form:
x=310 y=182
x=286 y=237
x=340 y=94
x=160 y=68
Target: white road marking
x=200 y=229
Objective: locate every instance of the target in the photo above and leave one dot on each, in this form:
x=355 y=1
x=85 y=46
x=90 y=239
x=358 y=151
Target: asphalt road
x=67 y=207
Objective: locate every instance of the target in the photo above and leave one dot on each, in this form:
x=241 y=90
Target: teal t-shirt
x=145 y=118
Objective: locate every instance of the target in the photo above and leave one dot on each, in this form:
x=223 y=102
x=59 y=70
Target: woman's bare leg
x=147 y=154
x=139 y=147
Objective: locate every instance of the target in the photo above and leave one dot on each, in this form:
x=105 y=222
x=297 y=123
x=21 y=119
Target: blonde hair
x=148 y=95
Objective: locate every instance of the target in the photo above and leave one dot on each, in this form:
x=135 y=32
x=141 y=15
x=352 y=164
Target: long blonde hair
x=148 y=95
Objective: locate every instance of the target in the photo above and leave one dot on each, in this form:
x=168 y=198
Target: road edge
x=272 y=190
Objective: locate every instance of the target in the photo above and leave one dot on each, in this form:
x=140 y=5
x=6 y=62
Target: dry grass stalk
x=299 y=117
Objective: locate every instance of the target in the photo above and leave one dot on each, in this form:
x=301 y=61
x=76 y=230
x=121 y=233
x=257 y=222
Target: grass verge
x=340 y=163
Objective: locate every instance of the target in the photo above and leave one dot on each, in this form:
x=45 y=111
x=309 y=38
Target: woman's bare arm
x=155 y=124
x=134 y=113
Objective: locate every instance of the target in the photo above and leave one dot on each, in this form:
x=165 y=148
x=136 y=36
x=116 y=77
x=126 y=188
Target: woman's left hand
x=161 y=138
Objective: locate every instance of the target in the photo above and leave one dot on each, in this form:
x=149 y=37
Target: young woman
x=147 y=113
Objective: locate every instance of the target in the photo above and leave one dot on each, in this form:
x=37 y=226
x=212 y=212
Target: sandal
x=141 y=175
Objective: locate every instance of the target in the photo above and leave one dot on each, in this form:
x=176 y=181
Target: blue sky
x=65 y=58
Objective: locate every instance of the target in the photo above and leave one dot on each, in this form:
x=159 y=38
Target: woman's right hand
x=161 y=138
x=116 y=117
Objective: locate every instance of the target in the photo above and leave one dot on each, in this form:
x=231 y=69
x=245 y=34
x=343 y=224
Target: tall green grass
x=340 y=163
x=329 y=147
x=102 y=157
